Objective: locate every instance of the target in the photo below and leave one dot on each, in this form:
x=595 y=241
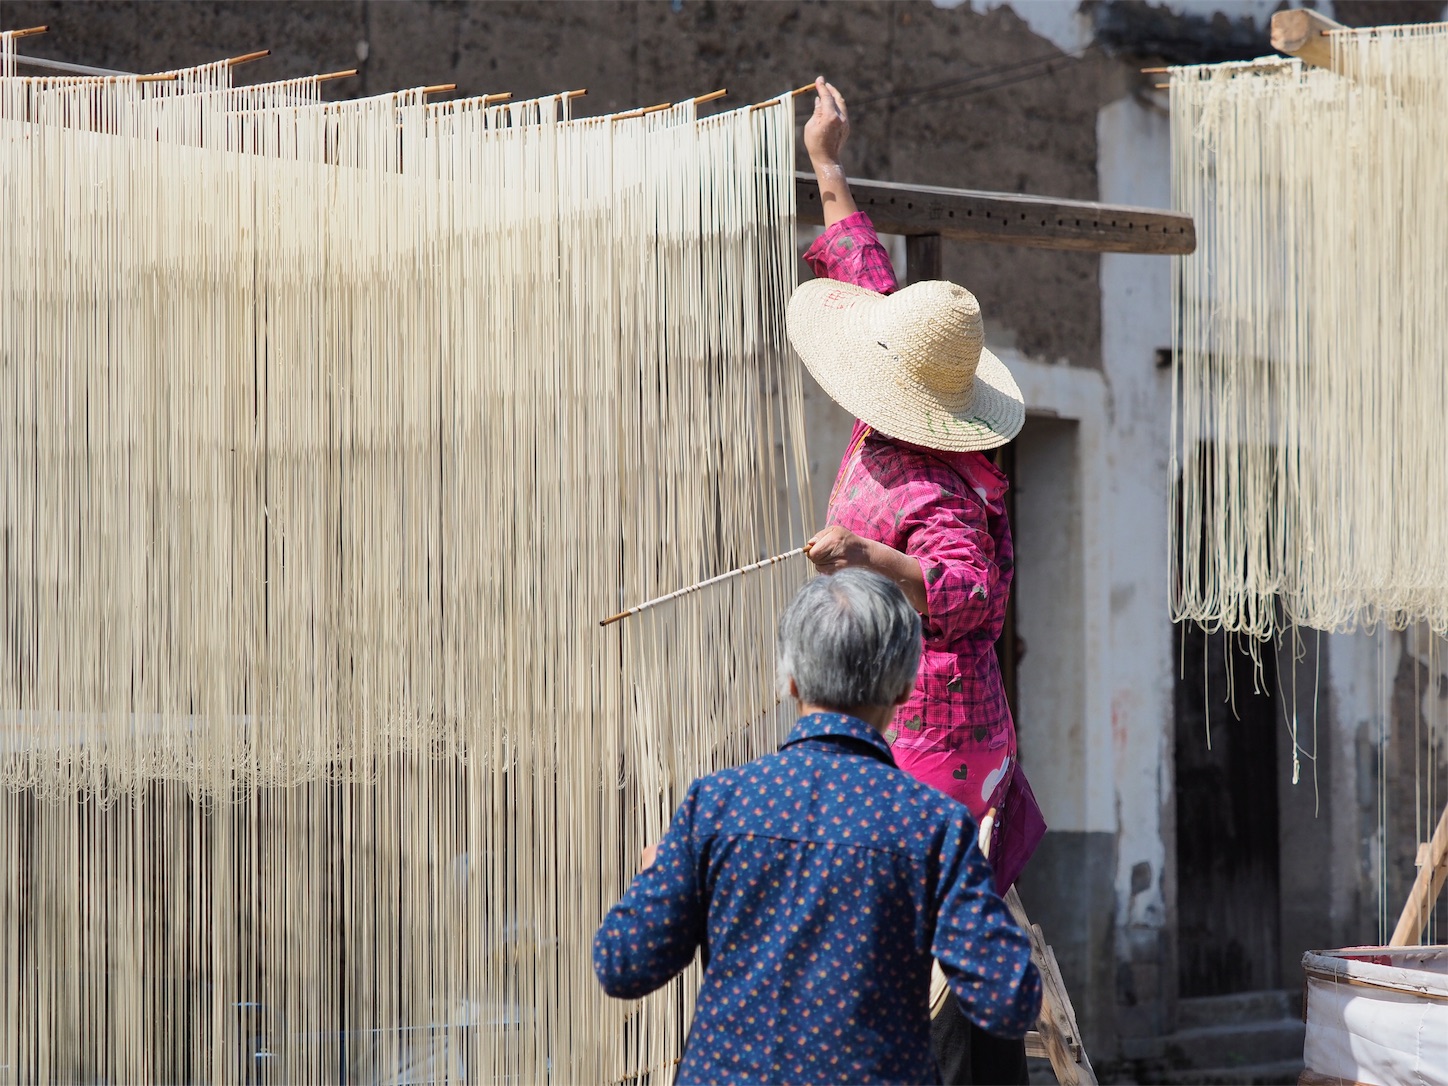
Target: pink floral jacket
x=947 y=510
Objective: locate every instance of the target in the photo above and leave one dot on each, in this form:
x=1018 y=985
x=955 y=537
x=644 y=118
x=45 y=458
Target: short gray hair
x=849 y=640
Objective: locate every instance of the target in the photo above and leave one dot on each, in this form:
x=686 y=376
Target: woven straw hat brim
x=832 y=326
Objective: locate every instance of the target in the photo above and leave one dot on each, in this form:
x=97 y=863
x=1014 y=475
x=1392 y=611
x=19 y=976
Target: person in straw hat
x=917 y=500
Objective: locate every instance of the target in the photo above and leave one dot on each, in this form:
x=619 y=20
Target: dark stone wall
x=943 y=97
x=1069 y=889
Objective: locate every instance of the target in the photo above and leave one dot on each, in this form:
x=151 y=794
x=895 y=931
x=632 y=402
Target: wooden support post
x=1299 y=33
x=1432 y=873
x=922 y=258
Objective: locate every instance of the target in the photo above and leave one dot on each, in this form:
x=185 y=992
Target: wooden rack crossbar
x=1009 y=219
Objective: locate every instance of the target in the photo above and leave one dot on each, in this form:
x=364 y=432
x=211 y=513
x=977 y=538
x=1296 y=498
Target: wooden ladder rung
x=1036 y=1047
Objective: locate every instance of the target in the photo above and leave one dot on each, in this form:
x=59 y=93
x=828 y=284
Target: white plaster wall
x=1062 y=602
x=1133 y=167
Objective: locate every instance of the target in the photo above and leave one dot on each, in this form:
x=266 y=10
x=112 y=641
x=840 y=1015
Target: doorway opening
x=1227 y=824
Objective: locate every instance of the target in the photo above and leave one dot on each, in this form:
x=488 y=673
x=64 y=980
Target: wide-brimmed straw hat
x=912 y=364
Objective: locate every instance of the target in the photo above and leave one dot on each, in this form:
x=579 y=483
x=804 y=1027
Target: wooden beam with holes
x=1001 y=218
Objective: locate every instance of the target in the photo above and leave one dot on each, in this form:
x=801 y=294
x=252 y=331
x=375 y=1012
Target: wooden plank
x=1427 y=885
x=1009 y=219
x=1036 y=1046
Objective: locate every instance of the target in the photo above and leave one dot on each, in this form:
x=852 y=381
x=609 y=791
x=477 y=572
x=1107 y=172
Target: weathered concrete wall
x=1133 y=138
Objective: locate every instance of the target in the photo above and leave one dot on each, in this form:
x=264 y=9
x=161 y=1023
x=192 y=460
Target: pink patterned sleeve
x=850 y=252
x=948 y=536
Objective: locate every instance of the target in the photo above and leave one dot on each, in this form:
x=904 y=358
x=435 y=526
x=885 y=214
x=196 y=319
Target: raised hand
x=826 y=131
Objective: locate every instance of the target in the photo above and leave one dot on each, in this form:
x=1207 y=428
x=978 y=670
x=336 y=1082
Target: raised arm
x=824 y=137
x=849 y=250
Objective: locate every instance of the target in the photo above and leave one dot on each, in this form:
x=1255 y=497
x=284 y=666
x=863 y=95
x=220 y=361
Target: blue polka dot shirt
x=817 y=884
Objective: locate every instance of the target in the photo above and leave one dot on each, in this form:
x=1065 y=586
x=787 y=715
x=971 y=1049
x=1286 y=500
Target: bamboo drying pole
x=640 y=112
x=246 y=58
x=703 y=584
x=774 y=101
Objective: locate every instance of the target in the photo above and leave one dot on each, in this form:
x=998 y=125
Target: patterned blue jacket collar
x=843 y=730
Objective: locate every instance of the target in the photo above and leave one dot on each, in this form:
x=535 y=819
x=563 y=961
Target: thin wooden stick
x=440 y=88
x=326 y=76
x=497 y=97
x=775 y=101
x=703 y=584
x=711 y=97
x=579 y=93
x=640 y=112
x=28 y=32
x=246 y=58
x=1260 y=62
x=163 y=77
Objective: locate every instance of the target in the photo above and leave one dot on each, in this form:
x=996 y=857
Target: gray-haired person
x=818 y=883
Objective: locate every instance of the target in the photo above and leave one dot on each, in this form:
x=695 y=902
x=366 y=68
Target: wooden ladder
x=1056 y=1037
x=1432 y=873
